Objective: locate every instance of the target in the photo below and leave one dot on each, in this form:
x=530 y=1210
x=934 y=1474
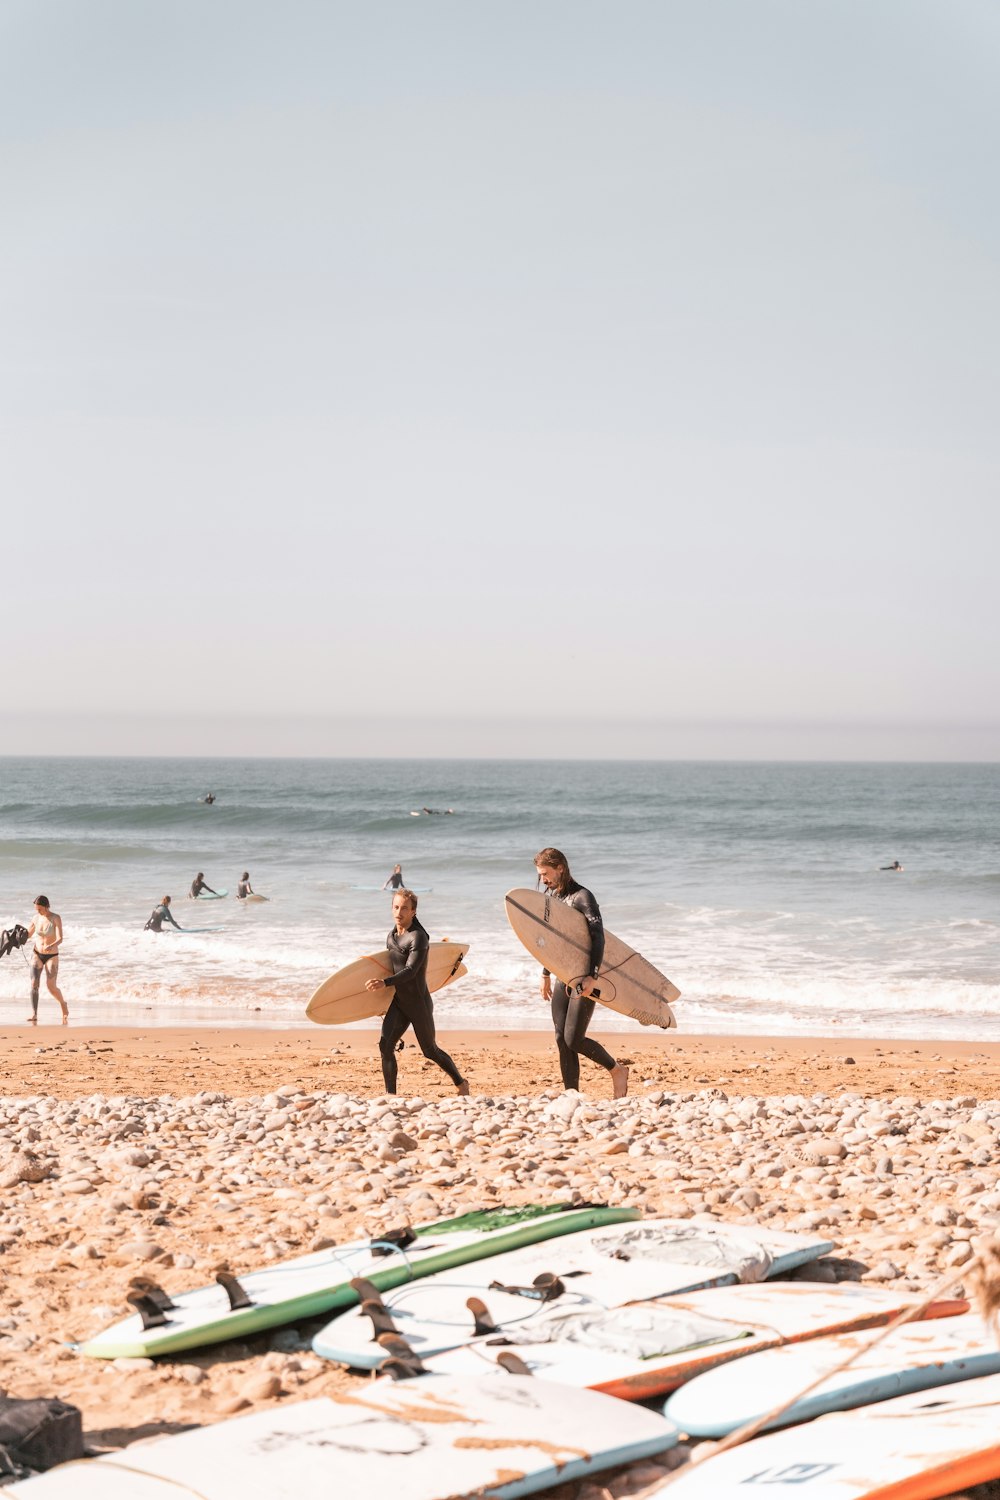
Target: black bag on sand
x=37 y=1435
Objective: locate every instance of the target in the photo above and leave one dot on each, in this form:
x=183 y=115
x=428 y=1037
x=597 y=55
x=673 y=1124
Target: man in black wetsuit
x=161 y=914
x=572 y=1008
x=412 y=1005
x=395 y=880
x=198 y=885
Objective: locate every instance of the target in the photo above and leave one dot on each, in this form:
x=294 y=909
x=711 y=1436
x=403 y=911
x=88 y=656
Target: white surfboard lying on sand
x=596 y=1269
x=916 y=1447
x=343 y=996
x=913 y=1358
x=418 y=1439
x=558 y=937
x=645 y=1349
x=317 y=1283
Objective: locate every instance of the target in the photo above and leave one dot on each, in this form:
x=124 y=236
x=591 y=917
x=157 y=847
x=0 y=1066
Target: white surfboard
x=310 y=1285
x=916 y=1447
x=254 y=896
x=913 y=1358
x=558 y=937
x=343 y=996
x=647 y=1348
x=596 y=1269
x=418 y=1439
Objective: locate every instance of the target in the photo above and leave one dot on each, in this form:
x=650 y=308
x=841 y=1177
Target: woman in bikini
x=47 y=931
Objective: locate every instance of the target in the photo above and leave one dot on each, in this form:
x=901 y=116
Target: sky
x=540 y=377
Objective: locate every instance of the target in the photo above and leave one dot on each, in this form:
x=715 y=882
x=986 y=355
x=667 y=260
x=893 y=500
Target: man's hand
x=546 y=987
x=586 y=987
x=375 y=984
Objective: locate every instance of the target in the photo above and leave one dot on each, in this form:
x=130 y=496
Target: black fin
x=395 y=1345
x=151 y=1315
x=481 y=1314
x=393 y=1239
x=512 y=1363
x=367 y=1290
x=402 y=1369
x=381 y=1318
x=156 y=1295
x=237 y=1296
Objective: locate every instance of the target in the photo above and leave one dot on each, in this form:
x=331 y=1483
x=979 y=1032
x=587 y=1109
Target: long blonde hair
x=556 y=860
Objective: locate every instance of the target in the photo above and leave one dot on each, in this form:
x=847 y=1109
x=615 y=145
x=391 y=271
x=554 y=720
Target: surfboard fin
x=366 y=1290
x=156 y=1294
x=513 y=1363
x=236 y=1294
x=381 y=1317
x=392 y=1240
x=545 y=1288
x=403 y=1362
x=152 y=1316
x=481 y=1315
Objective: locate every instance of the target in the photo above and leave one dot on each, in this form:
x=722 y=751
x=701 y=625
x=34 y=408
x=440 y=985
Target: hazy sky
x=567 y=377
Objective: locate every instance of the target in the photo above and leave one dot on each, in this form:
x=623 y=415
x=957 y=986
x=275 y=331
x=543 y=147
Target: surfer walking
x=395 y=880
x=161 y=914
x=408 y=944
x=198 y=885
x=572 y=1008
x=47 y=931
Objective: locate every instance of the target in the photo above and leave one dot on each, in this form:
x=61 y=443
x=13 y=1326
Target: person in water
x=395 y=880
x=209 y=797
x=198 y=885
x=161 y=914
x=408 y=944
x=572 y=1008
x=47 y=931
x=894 y=866
x=243 y=889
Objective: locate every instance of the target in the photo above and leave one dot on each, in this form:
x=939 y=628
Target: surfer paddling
x=408 y=943
x=572 y=1009
x=47 y=931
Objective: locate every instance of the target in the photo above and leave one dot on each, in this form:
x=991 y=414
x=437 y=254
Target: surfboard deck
x=917 y=1447
x=213 y=896
x=253 y=896
x=418 y=1439
x=646 y=1348
x=317 y=1283
x=343 y=997
x=558 y=937
x=913 y=1358
x=598 y=1268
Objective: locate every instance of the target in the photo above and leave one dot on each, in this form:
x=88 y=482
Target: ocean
x=755 y=887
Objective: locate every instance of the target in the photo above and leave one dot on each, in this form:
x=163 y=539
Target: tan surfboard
x=343 y=996
x=558 y=937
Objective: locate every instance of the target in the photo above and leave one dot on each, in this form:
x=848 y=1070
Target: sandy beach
x=171 y=1152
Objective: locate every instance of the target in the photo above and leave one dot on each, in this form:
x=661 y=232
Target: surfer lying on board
x=47 y=931
x=243 y=888
x=894 y=866
x=159 y=915
x=395 y=880
x=571 y=1009
x=412 y=1005
x=198 y=885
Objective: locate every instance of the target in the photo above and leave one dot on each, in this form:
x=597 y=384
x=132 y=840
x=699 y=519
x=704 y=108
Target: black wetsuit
x=572 y=1013
x=158 y=916
x=411 y=1004
x=197 y=886
x=243 y=890
x=394 y=882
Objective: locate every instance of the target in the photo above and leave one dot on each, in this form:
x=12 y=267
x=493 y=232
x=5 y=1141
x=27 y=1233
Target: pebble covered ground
x=98 y=1188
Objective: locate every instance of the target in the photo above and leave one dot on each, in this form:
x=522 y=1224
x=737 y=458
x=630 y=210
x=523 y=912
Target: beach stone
x=261 y=1388
x=142 y=1250
x=130 y=1366
x=23 y=1166
x=885 y=1270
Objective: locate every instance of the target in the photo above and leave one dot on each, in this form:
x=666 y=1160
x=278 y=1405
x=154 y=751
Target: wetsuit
x=197 y=886
x=411 y=1004
x=394 y=882
x=243 y=890
x=158 y=916
x=572 y=1013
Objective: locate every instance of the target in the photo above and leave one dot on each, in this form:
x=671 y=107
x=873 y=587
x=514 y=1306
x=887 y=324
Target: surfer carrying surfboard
x=408 y=944
x=572 y=1010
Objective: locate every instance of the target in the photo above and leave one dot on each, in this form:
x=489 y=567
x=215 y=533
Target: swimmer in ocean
x=161 y=914
x=894 y=866
x=198 y=885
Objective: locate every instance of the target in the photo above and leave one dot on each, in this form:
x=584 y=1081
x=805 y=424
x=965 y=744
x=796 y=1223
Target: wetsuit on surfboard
x=411 y=1004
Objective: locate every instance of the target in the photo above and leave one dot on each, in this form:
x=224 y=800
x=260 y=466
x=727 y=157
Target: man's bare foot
x=65 y=1019
x=32 y=1020
x=619 y=1077
x=463 y=1087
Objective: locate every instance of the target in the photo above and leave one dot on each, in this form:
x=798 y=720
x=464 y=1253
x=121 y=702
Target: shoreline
x=76 y=1061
